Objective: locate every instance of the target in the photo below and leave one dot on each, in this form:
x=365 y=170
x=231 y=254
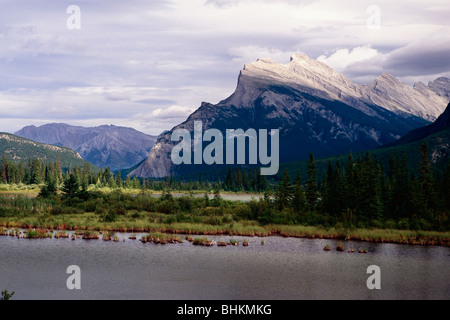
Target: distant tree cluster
x=362 y=192
x=245 y=180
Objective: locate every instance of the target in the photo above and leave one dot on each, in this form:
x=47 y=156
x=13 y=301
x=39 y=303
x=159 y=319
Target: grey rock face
x=316 y=109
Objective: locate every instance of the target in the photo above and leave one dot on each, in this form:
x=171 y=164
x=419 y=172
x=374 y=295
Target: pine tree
x=229 y=180
x=445 y=188
x=4 y=170
x=312 y=193
x=106 y=176
x=425 y=180
x=118 y=179
x=298 y=199
x=217 y=197
x=400 y=200
x=283 y=195
x=71 y=186
x=35 y=172
x=49 y=190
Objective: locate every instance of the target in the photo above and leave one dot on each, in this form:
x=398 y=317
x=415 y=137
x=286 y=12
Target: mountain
x=20 y=149
x=315 y=108
x=436 y=135
x=104 y=146
x=441 y=124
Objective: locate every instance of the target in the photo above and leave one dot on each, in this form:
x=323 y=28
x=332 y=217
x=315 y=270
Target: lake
x=283 y=268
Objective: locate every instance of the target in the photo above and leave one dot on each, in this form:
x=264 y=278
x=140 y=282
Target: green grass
x=149 y=223
x=139 y=214
x=38 y=234
x=203 y=241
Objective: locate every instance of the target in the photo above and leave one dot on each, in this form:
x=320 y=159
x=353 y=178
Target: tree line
x=360 y=192
x=363 y=192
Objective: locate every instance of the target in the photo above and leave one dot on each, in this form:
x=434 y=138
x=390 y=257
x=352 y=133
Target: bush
x=186 y=204
x=148 y=203
x=93 y=204
x=212 y=211
x=214 y=221
x=403 y=224
x=59 y=210
x=245 y=212
x=171 y=219
x=136 y=215
x=168 y=207
x=268 y=217
x=110 y=216
x=419 y=224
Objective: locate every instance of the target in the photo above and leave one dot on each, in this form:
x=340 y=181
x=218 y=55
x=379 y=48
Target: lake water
x=283 y=268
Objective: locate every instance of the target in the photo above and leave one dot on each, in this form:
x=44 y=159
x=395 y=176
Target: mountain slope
x=104 y=146
x=20 y=149
x=441 y=124
x=436 y=135
x=316 y=109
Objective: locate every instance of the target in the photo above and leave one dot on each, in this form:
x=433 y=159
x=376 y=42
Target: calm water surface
x=283 y=268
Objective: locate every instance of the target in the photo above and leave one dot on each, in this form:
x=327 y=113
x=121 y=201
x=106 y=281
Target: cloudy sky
x=148 y=64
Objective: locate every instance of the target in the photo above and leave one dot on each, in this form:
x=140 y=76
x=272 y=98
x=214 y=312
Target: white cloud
x=147 y=57
x=248 y=54
x=342 y=58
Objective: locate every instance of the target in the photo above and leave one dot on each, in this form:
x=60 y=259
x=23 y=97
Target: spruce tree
x=298 y=199
x=425 y=180
x=118 y=179
x=445 y=188
x=283 y=194
x=312 y=193
x=71 y=186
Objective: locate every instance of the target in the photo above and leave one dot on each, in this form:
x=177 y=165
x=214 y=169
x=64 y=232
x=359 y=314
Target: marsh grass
x=152 y=223
x=90 y=235
x=142 y=216
x=61 y=235
x=38 y=234
x=161 y=238
x=203 y=241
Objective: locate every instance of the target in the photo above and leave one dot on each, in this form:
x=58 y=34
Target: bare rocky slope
x=316 y=109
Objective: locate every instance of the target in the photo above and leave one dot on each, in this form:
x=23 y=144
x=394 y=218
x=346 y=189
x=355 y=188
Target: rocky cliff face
x=104 y=146
x=315 y=108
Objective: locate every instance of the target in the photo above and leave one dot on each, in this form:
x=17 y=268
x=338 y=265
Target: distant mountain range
x=20 y=149
x=103 y=146
x=315 y=108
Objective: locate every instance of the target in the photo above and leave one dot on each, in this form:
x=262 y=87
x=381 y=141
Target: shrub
x=168 y=207
x=110 y=216
x=6 y=295
x=214 y=221
x=59 y=210
x=245 y=212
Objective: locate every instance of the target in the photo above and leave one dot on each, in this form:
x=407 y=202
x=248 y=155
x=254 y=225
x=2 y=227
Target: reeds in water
x=203 y=241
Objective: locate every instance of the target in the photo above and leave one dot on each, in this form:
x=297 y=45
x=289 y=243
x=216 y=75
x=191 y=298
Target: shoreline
x=405 y=237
